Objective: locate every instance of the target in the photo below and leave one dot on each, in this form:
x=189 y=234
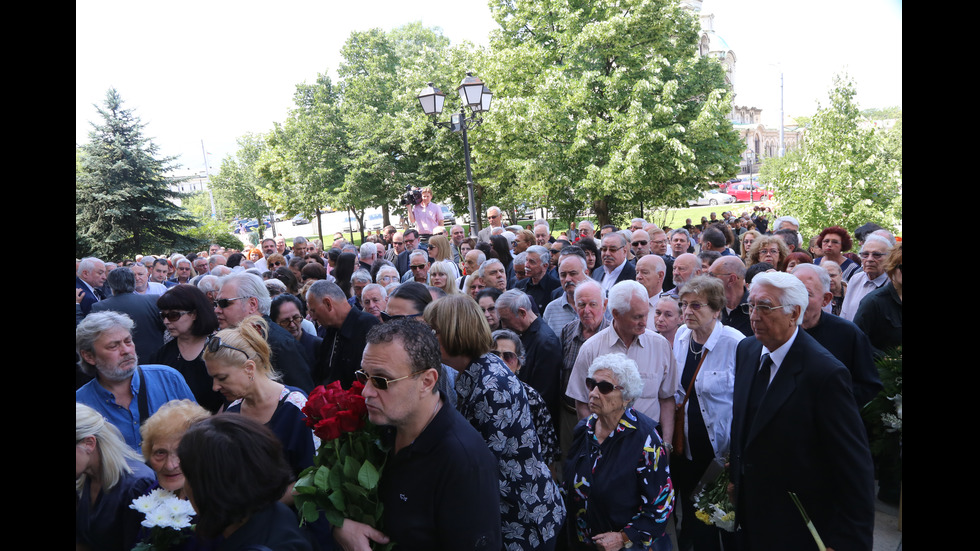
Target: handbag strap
x=141 y=400
x=690 y=385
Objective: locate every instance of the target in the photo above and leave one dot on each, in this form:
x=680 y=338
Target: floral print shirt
x=621 y=484
x=493 y=400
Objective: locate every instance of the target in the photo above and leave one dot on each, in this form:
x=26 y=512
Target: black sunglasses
x=380 y=383
x=386 y=317
x=173 y=315
x=605 y=387
x=215 y=344
x=226 y=302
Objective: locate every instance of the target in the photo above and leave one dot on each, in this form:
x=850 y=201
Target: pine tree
x=123 y=205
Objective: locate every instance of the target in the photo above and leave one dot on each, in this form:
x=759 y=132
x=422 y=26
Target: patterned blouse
x=621 y=484
x=492 y=399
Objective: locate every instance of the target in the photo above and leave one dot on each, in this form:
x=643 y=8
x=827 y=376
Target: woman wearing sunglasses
x=189 y=317
x=706 y=350
x=618 y=489
x=508 y=347
x=238 y=361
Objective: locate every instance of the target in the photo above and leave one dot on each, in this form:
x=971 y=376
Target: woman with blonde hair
x=109 y=475
x=440 y=249
x=745 y=243
x=768 y=248
x=161 y=435
x=441 y=276
x=238 y=361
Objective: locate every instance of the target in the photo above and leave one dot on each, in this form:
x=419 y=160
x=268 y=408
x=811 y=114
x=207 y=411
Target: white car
x=712 y=197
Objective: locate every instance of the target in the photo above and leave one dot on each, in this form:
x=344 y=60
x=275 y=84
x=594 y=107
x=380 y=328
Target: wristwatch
x=627 y=542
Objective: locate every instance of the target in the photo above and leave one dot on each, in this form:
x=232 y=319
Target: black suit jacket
x=288 y=358
x=88 y=297
x=628 y=272
x=350 y=339
x=851 y=346
x=807 y=437
x=149 y=328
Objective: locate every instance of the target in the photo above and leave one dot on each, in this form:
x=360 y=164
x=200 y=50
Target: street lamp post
x=476 y=96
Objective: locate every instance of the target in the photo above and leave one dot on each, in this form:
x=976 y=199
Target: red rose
x=327 y=429
x=349 y=422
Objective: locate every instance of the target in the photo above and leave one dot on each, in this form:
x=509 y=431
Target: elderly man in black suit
x=148 y=331
x=796 y=428
x=615 y=267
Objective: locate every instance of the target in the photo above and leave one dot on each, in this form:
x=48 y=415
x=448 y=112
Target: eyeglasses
x=386 y=317
x=277 y=263
x=226 y=302
x=609 y=249
x=694 y=305
x=493 y=217
x=831 y=242
x=387 y=278
x=505 y=355
x=173 y=315
x=605 y=387
x=866 y=254
x=215 y=344
x=768 y=251
x=641 y=243
x=765 y=308
x=417 y=266
x=286 y=323
x=380 y=383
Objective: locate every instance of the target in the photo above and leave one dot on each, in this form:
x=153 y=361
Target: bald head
x=640 y=243
x=686 y=266
x=650 y=272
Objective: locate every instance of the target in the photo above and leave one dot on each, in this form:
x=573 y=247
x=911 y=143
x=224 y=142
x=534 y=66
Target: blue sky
x=213 y=70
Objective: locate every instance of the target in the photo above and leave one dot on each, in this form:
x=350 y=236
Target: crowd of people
x=546 y=388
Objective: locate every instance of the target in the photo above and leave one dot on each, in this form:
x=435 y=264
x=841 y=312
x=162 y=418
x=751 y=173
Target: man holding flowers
x=439 y=485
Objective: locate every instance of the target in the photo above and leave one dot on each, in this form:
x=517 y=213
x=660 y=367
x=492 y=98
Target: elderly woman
x=275 y=260
x=880 y=313
x=109 y=475
x=706 y=349
x=161 y=435
x=667 y=317
x=189 y=318
x=834 y=242
x=290 y=313
x=238 y=360
x=386 y=276
x=508 y=347
x=617 y=484
x=492 y=399
x=235 y=474
x=473 y=285
x=768 y=248
x=442 y=275
x=745 y=243
x=837 y=287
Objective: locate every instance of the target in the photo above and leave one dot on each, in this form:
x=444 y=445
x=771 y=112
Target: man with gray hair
x=872 y=276
x=418 y=267
x=840 y=337
x=542 y=367
x=183 y=271
x=344 y=331
x=242 y=295
x=680 y=242
x=494 y=274
x=573 y=271
x=539 y=283
x=615 y=267
x=686 y=266
x=586 y=230
x=89 y=278
x=629 y=335
x=142 y=309
x=637 y=224
x=542 y=233
x=495 y=216
x=299 y=248
x=124 y=392
x=795 y=425
x=367 y=254
x=730 y=270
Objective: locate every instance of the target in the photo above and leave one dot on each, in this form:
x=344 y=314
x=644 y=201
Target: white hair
x=816 y=270
x=622 y=294
x=250 y=285
x=626 y=372
x=791 y=290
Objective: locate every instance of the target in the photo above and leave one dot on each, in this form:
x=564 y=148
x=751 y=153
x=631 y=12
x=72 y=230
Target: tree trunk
x=601 y=208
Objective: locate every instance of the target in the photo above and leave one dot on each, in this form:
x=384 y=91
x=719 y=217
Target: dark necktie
x=759 y=386
x=98 y=293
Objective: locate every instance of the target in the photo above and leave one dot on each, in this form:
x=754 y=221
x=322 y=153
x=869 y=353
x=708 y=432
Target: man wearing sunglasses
x=410 y=239
x=872 y=275
x=344 y=329
x=142 y=309
x=496 y=217
x=242 y=295
x=431 y=442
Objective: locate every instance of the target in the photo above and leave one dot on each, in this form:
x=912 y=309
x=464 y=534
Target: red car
x=748 y=191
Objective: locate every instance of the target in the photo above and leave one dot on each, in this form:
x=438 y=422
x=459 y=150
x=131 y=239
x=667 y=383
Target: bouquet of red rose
x=343 y=481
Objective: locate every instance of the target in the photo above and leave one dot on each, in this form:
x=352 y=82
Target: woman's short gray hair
x=512 y=337
x=626 y=372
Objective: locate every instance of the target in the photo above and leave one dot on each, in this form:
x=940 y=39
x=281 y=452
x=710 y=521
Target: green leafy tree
x=237 y=185
x=123 y=203
x=846 y=172
x=604 y=104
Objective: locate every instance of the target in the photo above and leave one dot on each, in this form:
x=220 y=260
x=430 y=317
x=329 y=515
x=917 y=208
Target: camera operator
x=426 y=215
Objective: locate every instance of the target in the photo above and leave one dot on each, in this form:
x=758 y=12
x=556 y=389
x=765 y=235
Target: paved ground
x=887 y=536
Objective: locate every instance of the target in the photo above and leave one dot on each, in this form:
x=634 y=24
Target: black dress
x=195 y=374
